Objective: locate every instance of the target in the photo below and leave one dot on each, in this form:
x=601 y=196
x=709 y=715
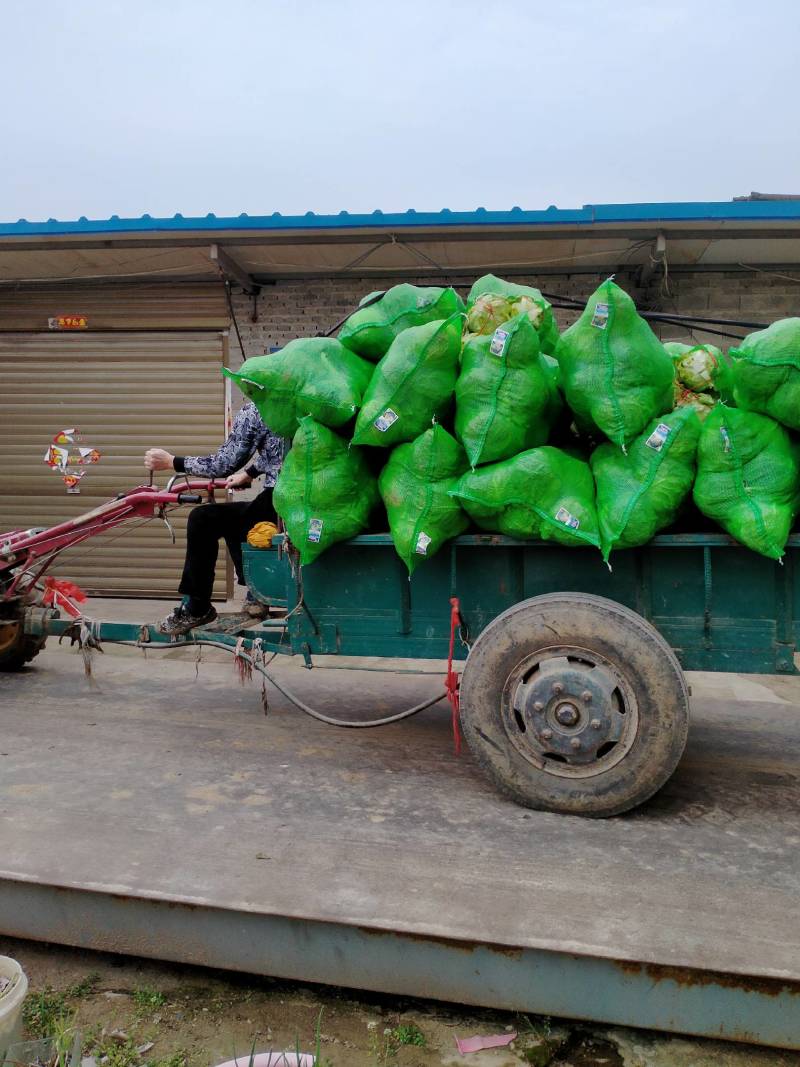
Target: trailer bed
x=719 y=606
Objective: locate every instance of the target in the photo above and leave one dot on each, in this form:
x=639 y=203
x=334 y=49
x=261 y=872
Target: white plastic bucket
x=11 y=999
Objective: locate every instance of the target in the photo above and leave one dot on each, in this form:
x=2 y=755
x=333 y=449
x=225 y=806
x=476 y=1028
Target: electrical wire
x=770 y=273
x=349 y=724
x=227 y=285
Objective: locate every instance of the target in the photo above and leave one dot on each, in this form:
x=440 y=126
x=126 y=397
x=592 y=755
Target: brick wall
x=304 y=307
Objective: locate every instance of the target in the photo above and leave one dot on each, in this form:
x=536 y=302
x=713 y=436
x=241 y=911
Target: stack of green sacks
x=446 y=413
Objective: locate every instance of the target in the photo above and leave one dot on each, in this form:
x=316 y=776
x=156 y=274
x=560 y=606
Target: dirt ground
x=140 y=1013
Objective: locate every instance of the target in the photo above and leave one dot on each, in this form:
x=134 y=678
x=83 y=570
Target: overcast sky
x=193 y=106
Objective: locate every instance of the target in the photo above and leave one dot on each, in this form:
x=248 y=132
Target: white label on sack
x=562 y=515
x=600 y=317
x=726 y=439
x=421 y=547
x=658 y=437
x=315 y=530
x=425 y=300
x=499 y=341
x=387 y=419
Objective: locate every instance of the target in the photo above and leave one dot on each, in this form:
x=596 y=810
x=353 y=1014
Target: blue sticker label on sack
x=658 y=437
x=726 y=439
x=600 y=317
x=499 y=341
x=562 y=515
x=315 y=530
x=387 y=419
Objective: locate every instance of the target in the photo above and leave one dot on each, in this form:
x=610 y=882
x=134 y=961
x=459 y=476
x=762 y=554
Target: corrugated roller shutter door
x=124 y=392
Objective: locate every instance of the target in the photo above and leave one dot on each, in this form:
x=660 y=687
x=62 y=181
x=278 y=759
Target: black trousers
x=207 y=524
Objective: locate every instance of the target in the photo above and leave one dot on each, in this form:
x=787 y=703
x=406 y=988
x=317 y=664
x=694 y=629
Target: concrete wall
x=302 y=308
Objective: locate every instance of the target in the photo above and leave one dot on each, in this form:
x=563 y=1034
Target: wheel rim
x=570 y=712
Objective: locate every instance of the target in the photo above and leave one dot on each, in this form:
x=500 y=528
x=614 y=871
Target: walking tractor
x=572 y=696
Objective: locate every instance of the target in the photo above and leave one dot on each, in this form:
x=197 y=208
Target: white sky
x=191 y=106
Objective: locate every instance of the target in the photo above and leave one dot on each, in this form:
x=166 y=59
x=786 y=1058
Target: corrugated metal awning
x=605 y=237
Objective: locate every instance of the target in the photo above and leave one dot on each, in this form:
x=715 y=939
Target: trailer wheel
x=573 y=703
x=16 y=647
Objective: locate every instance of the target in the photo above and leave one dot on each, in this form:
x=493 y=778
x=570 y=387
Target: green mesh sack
x=767 y=374
x=616 y=374
x=702 y=403
x=325 y=491
x=492 y=301
x=544 y=493
x=696 y=366
x=555 y=403
x=311 y=376
x=640 y=493
x=412 y=385
x=747 y=478
x=505 y=396
x=370 y=331
x=415 y=485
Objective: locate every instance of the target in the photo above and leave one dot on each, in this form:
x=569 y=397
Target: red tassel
x=59 y=593
x=451 y=681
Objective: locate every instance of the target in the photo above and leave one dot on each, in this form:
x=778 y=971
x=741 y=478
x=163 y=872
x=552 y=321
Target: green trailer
x=572 y=696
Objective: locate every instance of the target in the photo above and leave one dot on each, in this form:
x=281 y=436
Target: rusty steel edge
x=733 y=1007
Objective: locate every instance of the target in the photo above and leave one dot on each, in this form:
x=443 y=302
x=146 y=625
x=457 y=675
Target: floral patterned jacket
x=249 y=438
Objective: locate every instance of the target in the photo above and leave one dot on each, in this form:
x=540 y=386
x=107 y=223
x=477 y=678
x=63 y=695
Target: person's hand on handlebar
x=241 y=480
x=158 y=459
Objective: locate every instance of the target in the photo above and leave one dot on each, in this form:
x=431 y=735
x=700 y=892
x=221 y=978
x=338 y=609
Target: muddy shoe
x=181 y=621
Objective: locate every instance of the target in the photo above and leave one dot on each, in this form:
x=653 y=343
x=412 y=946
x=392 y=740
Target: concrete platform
x=154 y=812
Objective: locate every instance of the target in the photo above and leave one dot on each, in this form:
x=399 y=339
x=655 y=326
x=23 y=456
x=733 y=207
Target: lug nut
x=575 y=743
x=558 y=688
x=567 y=714
x=595 y=724
x=538 y=706
x=586 y=696
x=547 y=734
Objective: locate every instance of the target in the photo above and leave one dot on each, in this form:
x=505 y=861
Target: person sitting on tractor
x=249 y=439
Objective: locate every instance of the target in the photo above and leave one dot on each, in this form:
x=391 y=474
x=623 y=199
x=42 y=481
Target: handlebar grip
x=190 y=498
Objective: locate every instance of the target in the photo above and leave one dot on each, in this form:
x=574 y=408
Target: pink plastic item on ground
x=478 y=1044
x=272 y=1059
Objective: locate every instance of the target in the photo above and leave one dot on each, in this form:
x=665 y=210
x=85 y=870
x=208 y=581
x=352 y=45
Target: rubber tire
x=21 y=651
x=635 y=648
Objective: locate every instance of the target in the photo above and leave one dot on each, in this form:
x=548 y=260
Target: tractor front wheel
x=16 y=647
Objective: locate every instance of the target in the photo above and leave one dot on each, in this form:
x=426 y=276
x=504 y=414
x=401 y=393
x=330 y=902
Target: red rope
x=451 y=680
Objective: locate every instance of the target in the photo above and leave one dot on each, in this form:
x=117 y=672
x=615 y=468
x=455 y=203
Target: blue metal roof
x=728 y=211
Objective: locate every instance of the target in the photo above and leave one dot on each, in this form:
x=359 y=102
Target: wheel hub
x=569 y=710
